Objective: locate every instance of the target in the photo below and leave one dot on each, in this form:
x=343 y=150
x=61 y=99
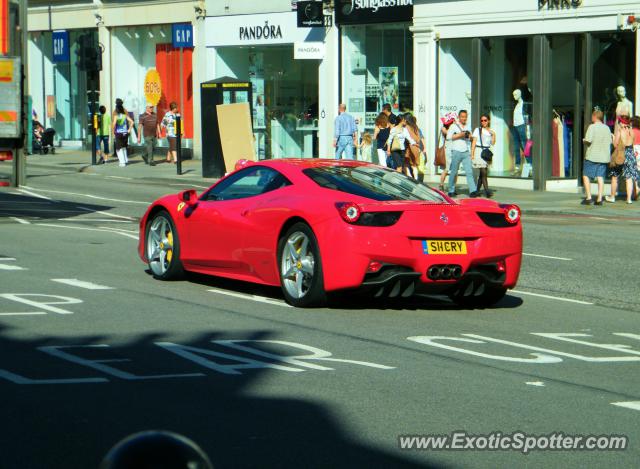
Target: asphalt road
x=93 y=349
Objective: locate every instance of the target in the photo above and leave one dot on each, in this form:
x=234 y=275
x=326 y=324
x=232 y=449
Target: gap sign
x=182 y=35
x=61 y=46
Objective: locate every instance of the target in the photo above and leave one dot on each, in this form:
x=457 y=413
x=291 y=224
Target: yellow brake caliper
x=170 y=248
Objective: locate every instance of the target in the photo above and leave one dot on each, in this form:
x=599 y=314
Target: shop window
x=507 y=98
x=285 y=98
x=614 y=74
x=377 y=69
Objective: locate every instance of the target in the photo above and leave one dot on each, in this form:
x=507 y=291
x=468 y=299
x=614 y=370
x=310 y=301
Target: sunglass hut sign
x=373 y=11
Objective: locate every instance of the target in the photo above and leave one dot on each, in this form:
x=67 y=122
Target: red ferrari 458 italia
x=316 y=226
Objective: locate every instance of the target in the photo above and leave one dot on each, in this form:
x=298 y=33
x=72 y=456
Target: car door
x=218 y=225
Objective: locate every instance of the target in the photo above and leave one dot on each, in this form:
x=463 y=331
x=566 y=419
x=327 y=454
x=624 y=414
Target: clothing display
x=558 y=153
x=519 y=141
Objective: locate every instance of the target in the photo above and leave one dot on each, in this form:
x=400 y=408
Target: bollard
x=179 y=144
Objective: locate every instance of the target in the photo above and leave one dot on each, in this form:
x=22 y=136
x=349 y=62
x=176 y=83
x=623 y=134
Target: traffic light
x=88 y=54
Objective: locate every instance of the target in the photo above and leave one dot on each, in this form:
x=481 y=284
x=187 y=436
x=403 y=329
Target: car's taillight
x=511 y=213
x=349 y=211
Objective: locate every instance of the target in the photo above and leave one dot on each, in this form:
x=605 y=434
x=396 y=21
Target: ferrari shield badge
x=181 y=206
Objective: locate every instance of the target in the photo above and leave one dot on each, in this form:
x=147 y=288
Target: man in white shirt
x=459 y=136
x=596 y=163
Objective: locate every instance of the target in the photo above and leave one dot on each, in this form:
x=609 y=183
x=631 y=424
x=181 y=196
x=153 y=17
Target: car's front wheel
x=163 y=247
x=300 y=265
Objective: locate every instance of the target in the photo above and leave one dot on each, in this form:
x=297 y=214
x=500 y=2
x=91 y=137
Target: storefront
x=284 y=64
x=537 y=70
x=376 y=58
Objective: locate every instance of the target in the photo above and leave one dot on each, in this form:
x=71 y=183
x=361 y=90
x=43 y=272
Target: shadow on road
x=347 y=300
x=25 y=206
x=58 y=424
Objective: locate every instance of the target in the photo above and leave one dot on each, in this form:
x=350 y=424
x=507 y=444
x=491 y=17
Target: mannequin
x=624 y=106
x=519 y=128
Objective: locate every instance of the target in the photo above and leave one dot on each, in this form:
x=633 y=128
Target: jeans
x=458 y=157
x=344 y=144
x=149 y=145
x=519 y=140
x=104 y=140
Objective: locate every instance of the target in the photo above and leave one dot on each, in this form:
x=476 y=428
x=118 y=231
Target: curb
x=575 y=214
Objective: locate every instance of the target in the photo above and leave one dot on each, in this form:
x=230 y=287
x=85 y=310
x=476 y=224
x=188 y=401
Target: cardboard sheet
x=236 y=134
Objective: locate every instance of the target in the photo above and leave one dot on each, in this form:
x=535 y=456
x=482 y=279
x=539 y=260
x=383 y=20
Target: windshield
x=372 y=182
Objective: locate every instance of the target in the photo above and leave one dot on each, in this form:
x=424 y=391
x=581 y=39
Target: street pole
x=179 y=144
x=18 y=177
x=94 y=123
x=179 y=117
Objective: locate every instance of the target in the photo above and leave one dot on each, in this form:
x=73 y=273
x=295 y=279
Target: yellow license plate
x=444 y=247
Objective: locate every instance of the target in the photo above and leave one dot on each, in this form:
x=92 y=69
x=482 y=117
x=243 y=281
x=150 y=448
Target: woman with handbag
x=396 y=145
x=623 y=160
x=413 y=151
x=484 y=138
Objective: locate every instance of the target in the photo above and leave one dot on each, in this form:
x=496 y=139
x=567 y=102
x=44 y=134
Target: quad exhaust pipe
x=444 y=272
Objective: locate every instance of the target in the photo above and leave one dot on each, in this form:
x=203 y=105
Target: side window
x=249 y=182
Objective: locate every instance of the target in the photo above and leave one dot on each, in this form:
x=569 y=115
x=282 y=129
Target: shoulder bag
x=618 y=156
x=441 y=155
x=485 y=154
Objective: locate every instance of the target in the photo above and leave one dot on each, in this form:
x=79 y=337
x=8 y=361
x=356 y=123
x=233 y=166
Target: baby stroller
x=45 y=143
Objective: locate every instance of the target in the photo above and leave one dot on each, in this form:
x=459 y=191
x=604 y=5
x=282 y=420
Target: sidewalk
x=531 y=202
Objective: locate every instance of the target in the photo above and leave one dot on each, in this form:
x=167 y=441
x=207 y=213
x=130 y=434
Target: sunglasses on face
x=484 y=120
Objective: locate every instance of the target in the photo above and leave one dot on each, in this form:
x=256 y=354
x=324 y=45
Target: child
x=365 y=147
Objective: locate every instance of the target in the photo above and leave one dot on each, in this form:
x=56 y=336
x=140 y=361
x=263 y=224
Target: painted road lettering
x=50 y=305
x=229 y=363
x=540 y=354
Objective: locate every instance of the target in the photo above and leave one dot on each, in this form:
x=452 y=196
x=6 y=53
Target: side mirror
x=189 y=197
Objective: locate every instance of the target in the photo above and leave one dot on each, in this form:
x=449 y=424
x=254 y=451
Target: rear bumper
x=348 y=251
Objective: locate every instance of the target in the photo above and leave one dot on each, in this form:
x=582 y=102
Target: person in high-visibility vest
x=102 y=135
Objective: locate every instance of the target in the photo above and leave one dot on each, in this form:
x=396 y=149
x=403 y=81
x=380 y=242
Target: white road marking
x=634 y=405
x=7 y=258
x=245 y=296
x=535 y=383
x=547 y=257
x=108 y=220
x=33 y=194
x=48 y=305
x=109 y=214
x=11 y=267
x=91 y=196
x=119 y=229
x=26 y=313
x=88 y=229
x=22 y=221
x=569 y=300
x=74 y=282
x=119 y=177
x=189 y=185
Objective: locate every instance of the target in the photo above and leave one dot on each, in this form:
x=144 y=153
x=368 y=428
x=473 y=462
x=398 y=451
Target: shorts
x=594 y=170
x=173 y=143
x=396 y=159
x=104 y=140
x=122 y=141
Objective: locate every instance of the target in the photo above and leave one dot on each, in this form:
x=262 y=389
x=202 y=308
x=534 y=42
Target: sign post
x=182 y=36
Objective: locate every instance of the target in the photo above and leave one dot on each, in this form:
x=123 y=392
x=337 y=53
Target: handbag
x=618 y=156
x=441 y=155
x=395 y=143
x=485 y=154
x=527 y=148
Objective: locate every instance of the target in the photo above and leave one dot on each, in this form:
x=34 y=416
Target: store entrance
x=285 y=98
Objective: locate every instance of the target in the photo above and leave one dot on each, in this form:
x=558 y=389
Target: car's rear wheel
x=484 y=297
x=300 y=265
x=163 y=247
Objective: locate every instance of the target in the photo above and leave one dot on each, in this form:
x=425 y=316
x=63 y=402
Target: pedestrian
x=122 y=125
x=397 y=145
x=483 y=138
x=635 y=128
x=381 y=135
x=459 y=135
x=447 y=120
x=102 y=137
x=598 y=142
x=386 y=109
x=150 y=129
x=169 y=124
x=414 y=150
x=344 y=134
x=365 y=147
x=623 y=141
